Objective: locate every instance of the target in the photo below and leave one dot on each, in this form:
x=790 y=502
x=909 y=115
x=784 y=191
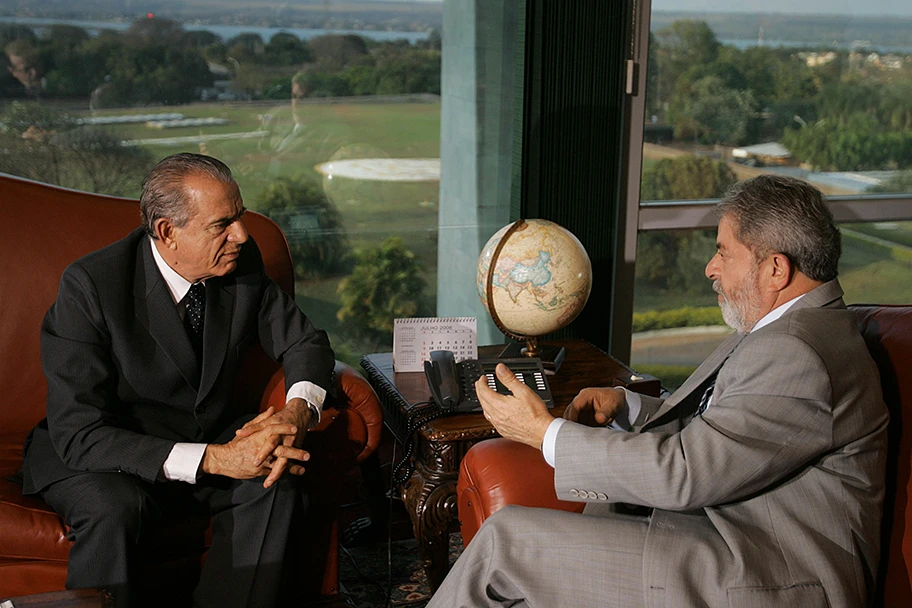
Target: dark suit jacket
x=123 y=381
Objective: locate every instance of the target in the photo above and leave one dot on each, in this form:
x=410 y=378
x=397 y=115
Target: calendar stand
x=415 y=338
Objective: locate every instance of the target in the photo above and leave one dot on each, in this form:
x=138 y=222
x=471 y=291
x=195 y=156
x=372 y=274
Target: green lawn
x=373 y=211
x=870 y=273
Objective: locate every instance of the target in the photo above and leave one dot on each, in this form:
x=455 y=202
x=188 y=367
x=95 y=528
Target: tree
x=415 y=72
x=688 y=42
x=285 y=49
x=313 y=82
x=157 y=73
x=898 y=182
x=686 y=178
x=712 y=113
x=246 y=47
x=71 y=72
x=202 y=39
x=156 y=31
x=64 y=38
x=857 y=144
x=386 y=284
x=674 y=260
x=311 y=223
x=335 y=52
x=682 y=45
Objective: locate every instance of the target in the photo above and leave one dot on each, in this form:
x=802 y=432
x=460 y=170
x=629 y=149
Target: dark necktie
x=195 y=316
x=707 y=394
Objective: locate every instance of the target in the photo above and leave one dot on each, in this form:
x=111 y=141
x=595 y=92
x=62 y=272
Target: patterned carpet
x=366 y=572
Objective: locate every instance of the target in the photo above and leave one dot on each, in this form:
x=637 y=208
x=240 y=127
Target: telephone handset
x=453 y=384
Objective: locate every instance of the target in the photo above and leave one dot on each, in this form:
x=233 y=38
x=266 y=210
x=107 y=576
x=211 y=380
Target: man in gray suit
x=763 y=473
x=141 y=350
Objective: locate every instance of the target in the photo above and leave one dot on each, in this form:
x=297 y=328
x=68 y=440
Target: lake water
x=225 y=32
x=880 y=48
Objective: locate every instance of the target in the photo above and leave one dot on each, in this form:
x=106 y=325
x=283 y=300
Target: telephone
x=453 y=384
x=453 y=392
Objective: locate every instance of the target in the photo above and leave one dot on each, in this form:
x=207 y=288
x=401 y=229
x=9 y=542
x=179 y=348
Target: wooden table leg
x=430 y=498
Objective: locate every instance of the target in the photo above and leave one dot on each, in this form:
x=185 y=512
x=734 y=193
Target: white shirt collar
x=177 y=285
x=775 y=313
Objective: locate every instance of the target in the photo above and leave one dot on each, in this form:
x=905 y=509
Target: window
x=330 y=123
x=731 y=93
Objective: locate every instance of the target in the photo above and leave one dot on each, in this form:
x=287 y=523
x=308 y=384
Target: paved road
x=681 y=346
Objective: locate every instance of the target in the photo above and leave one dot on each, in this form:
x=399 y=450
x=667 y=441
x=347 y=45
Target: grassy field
x=373 y=210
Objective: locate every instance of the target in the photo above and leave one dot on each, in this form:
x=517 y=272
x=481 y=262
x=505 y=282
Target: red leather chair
x=500 y=472
x=44 y=228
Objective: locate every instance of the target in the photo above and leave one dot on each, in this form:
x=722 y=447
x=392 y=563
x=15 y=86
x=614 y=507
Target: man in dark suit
x=141 y=350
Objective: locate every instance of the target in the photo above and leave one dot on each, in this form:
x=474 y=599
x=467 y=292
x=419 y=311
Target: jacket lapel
x=710 y=366
x=216 y=331
x=827 y=294
x=156 y=311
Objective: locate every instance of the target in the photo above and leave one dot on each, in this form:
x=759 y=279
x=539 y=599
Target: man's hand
x=241 y=458
x=595 y=406
x=277 y=459
x=522 y=417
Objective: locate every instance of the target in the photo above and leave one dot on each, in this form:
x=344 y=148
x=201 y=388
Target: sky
x=807 y=7
x=829 y=7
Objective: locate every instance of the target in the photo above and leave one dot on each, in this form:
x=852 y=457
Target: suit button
x=592 y=495
x=574 y=492
x=602 y=496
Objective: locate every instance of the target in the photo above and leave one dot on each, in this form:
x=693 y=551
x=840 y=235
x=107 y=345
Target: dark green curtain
x=572 y=134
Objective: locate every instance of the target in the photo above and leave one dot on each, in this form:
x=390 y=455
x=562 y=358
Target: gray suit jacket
x=773 y=496
x=124 y=384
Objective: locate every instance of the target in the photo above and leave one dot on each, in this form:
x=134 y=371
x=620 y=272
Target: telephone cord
x=418 y=416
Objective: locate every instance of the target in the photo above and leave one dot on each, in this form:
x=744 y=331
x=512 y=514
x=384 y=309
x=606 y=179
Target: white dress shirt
x=632 y=400
x=184 y=460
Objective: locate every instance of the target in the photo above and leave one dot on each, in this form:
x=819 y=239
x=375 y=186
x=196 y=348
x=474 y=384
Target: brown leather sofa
x=500 y=472
x=44 y=228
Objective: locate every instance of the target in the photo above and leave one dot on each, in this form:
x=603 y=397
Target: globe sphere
x=533 y=277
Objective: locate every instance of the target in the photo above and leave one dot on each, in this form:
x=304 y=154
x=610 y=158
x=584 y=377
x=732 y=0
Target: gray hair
x=163 y=194
x=779 y=214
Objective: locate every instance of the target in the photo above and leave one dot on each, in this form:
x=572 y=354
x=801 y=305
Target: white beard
x=740 y=307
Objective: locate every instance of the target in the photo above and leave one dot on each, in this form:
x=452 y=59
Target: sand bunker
x=383 y=169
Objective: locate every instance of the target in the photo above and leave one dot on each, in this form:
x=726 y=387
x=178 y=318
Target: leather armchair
x=500 y=472
x=44 y=228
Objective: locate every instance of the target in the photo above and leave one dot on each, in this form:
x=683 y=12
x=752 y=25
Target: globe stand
x=551 y=356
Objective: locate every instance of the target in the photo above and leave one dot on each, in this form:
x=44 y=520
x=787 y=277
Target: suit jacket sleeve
x=772 y=413
x=82 y=415
x=648 y=407
x=289 y=337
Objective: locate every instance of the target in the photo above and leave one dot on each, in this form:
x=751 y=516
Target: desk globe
x=533 y=277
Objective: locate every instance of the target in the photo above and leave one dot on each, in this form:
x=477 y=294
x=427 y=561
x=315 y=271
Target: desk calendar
x=414 y=339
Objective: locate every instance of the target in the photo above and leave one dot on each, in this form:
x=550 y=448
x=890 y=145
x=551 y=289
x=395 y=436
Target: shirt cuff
x=312 y=394
x=183 y=462
x=623 y=420
x=549 y=443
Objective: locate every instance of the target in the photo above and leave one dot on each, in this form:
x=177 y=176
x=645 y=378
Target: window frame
x=637 y=216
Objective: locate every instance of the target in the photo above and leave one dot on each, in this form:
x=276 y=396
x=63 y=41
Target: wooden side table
x=430 y=494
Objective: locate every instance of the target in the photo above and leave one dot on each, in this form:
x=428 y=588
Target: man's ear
x=782 y=271
x=164 y=230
